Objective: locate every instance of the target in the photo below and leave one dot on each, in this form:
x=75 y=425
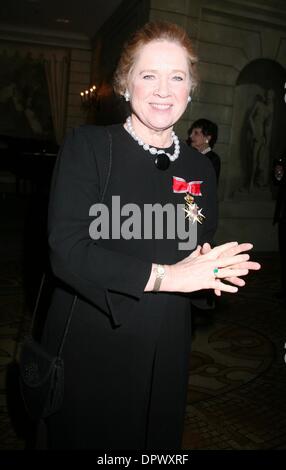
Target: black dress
x=127 y=352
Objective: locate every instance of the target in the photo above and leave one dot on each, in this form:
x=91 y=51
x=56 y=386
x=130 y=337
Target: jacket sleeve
x=100 y=275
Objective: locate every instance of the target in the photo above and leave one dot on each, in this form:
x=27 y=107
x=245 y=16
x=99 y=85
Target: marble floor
x=237 y=379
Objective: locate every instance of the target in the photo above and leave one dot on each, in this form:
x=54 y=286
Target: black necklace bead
x=162 y=161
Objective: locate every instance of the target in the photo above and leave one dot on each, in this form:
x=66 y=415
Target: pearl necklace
x=153 y=150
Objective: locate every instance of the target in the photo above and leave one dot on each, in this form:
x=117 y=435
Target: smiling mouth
x=161 y=106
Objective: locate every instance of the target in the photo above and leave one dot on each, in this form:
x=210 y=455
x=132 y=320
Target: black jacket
x=119 y=334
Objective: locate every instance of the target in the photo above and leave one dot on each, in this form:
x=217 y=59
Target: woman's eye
x=148 y=77
x=178 y=78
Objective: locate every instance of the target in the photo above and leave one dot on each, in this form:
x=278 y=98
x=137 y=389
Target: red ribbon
x=182 y=186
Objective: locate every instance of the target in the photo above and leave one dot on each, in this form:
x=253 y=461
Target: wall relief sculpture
x=258 y=129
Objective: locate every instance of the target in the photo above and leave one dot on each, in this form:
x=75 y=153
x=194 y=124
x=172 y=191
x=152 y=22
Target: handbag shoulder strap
x=105 y=175
x=67 y=326
x=43 y=279
x=99 y=139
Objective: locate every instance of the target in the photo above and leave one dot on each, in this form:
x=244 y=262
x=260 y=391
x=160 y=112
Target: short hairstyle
x=152 y=31
x=207 y=127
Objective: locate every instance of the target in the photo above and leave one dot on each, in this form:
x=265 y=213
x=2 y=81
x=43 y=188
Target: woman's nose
x=163 y=88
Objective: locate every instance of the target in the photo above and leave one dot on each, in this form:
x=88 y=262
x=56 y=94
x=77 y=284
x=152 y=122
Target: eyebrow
x=155 y=71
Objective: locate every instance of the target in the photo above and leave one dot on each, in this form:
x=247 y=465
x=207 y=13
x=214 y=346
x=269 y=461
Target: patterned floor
x=237 y=380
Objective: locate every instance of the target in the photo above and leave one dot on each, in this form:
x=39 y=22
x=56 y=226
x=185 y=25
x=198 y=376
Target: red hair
x=152 y=31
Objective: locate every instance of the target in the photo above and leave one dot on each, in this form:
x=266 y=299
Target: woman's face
x=198 y=139
x=159 y=85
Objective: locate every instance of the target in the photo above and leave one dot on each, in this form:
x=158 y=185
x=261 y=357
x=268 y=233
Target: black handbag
x=41 y=374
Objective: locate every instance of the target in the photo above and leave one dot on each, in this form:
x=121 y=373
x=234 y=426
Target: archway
x=258 y=129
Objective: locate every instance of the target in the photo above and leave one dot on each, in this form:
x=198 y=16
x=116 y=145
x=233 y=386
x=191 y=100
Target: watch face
x=161 y=270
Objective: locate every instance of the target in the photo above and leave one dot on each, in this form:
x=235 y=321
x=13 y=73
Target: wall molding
x=44 y=37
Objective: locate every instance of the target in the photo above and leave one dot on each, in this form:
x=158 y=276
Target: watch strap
x=160 y=274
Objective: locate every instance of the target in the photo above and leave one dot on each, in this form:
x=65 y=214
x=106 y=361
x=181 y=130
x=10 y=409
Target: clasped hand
x=196 y=271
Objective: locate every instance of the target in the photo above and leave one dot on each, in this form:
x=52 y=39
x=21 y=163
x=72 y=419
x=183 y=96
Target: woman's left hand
x=232 y=251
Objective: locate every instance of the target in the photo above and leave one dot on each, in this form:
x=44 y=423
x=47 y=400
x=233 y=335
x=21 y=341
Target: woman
x=202 y=136
x=126 y=354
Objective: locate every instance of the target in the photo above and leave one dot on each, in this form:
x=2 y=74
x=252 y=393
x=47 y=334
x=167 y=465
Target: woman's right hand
x=196 y=271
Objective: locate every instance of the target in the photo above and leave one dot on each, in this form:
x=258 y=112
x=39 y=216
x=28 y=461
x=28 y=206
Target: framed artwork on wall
x=25 y=109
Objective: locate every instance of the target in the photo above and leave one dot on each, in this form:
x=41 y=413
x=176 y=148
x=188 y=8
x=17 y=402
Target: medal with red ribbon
x=191 y=188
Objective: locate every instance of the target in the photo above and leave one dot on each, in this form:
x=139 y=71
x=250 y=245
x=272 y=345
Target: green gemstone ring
x=215 y=270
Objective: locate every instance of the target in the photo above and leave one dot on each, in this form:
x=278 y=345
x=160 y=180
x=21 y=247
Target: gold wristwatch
x=160 y=274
